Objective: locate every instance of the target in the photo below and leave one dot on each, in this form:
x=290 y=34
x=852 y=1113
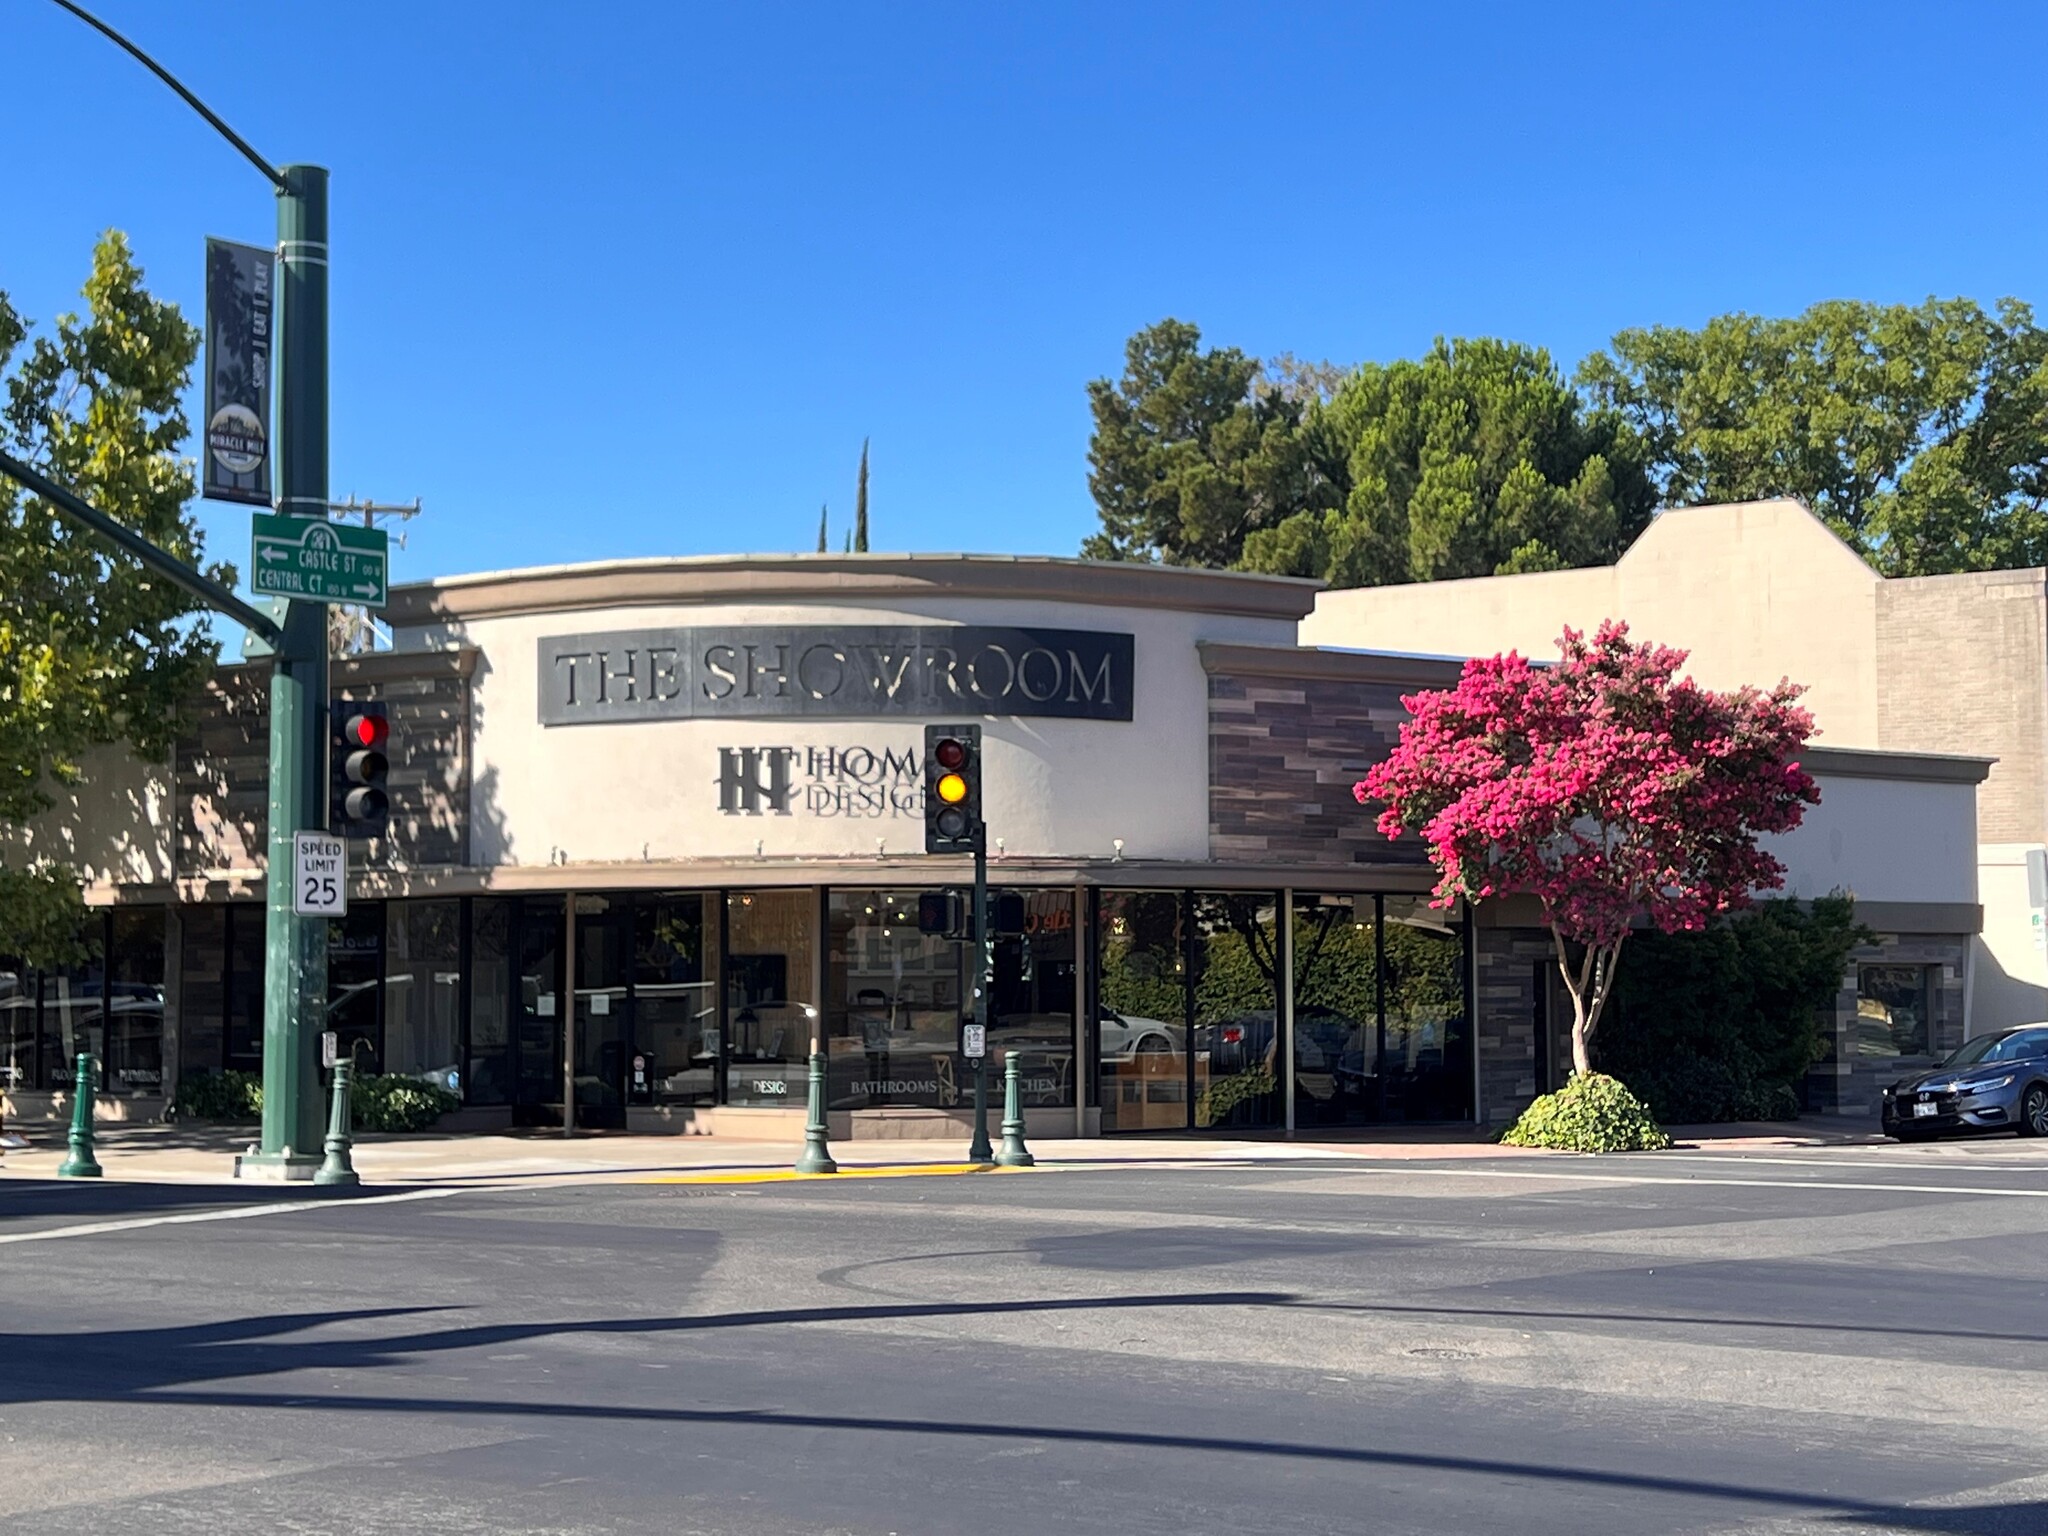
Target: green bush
x=1723 y=1024
x=1591 y=1113
x=219 y=1096
x=394 y=1103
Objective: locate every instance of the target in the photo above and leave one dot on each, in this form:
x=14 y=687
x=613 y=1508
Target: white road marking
x=135 y=1223
x=1555 y=1173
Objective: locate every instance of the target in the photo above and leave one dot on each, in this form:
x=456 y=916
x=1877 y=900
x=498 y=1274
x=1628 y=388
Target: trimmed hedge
x=1591 y=1113
x=393 y=1103
x=385 y=1103
x=226 y=1096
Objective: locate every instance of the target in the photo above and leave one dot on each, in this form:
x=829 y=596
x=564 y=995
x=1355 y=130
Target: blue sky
x=632 y=279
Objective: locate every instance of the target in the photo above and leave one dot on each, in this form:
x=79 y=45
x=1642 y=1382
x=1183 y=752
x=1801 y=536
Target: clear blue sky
x=631 y=279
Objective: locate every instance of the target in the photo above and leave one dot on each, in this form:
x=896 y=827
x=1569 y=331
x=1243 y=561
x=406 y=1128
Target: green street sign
x=319 y=561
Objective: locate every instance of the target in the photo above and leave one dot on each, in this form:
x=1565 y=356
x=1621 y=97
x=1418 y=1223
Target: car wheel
x=2034 y=1111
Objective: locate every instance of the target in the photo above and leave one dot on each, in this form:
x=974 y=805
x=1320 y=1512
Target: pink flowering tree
x=1606 y=786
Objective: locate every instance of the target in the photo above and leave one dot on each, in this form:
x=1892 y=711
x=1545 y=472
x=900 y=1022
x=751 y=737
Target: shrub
x=1591 y=1113
x=226 y=1095
x=1723 y=1024
x=394 y=1103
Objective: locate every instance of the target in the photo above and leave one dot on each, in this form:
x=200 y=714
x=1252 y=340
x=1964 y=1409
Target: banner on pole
x=238 y=291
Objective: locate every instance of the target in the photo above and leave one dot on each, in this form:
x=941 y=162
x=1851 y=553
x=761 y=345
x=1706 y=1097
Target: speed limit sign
x=319 y=875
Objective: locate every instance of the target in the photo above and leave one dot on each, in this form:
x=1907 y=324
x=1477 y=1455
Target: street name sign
x=319 y=875
x=319 y=561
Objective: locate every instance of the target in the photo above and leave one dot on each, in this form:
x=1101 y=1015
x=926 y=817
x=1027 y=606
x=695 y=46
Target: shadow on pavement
x=161 y=1366
x=1588 y=1315
x=99 y=1199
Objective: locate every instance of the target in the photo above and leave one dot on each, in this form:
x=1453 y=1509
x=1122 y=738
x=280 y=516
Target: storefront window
x=245 y=987
x=18 y=987
x=202 y=989
x=74 y=1014
x=538 y=1016
x=1031 y=1003
x=135 y=1008
x=1427 y=1059
x=355 y=971
x=1141 y=1012
x=1236 y=1039
x=770 y=1014
x=1891 y=1010
x=423 y=991
x=675 y=1003
x=1336 y=1011
x=604 y=953
x=489 y=1079
x=895 y=1004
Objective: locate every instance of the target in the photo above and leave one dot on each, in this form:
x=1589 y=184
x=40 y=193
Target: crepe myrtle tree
x=1606 y=786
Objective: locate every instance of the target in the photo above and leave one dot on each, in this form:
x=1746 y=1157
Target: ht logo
x=754 y=779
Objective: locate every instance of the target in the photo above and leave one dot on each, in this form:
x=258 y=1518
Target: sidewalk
x=193 y=1154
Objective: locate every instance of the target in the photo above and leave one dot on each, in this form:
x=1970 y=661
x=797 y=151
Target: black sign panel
x=834 y=672
x=237 y=373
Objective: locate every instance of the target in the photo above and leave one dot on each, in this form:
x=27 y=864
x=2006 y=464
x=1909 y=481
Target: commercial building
x=657 y=825
x=1757 y=591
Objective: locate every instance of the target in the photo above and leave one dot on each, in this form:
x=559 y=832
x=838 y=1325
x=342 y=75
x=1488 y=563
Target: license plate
x=1925 y=1109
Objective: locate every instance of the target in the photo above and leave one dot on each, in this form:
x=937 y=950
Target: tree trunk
x=1589 y=986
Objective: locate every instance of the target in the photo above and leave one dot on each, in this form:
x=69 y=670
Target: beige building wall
x=1966 y=670
x=1755 y=591
x=113 y=826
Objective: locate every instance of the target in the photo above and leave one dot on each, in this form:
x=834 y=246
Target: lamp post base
x=277 y=1167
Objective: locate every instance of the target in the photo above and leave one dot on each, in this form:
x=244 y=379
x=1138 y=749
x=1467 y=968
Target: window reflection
x=675 y=1003
x=1141 y=1013
x=770 y=1015
x=1236 y=1040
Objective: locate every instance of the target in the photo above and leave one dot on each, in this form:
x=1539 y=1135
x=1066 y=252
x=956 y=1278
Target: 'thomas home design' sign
x=834 y=672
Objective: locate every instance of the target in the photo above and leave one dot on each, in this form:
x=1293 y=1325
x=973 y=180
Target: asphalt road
x=1841 y=1342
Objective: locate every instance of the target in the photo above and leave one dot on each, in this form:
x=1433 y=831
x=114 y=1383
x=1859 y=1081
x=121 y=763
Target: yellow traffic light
x=952 y=789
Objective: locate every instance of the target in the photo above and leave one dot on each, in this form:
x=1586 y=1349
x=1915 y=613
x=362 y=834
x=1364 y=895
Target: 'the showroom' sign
x=834 y=672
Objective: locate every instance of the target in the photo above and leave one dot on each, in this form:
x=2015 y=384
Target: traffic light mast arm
x=210 y=592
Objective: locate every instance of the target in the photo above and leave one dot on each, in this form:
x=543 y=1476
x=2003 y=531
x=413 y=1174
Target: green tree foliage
x=1920 y=433
x=860 y=504
x=1723 y=1024
x=1475 y=460
x=94 y=649
x=1188 y=457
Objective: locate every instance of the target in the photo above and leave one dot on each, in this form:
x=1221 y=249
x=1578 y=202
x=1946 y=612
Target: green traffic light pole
x=295 y=947
x=979 y=1150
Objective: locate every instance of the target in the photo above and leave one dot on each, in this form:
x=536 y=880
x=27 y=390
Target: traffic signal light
x=1006 y=914
x=942 y=914
x=952 y=788
x=357 y=804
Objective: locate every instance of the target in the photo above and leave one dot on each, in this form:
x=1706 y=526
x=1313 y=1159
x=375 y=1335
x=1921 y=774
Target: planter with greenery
x=1591 y=1113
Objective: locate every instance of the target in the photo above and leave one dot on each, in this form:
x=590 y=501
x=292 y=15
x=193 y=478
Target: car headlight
x=1985 y=1085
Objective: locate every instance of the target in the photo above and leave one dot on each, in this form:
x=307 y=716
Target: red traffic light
x=950 y=753
x=370 y=731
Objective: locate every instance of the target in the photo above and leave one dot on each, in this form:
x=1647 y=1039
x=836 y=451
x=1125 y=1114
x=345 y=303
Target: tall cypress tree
x=821 y=528
x=860 y=503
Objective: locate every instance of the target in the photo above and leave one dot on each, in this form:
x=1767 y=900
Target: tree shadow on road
x=168 y=1366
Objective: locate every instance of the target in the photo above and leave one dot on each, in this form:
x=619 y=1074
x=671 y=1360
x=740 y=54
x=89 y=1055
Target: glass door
x=537 y=1013
x=604 y=948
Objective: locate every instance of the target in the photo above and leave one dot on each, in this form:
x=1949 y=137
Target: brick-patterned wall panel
x=1848 y=1083
x=223 y=774
x=223 y=768
x=1512 y=963
x=1283 y=755
x=429 y=778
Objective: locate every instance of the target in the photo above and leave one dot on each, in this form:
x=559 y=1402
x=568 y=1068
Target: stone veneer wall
x=222 y=765
x=1283 y=755
x=1512 y=964
x=1851 y=1084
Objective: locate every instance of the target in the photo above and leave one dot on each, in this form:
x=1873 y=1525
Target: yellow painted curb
x=790 y=1175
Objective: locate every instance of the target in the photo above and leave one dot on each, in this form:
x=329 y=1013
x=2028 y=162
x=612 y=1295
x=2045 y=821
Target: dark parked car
x=1995 y=1082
